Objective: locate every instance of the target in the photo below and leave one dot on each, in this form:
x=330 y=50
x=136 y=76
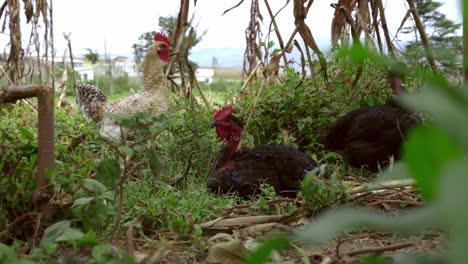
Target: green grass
x=165 y=199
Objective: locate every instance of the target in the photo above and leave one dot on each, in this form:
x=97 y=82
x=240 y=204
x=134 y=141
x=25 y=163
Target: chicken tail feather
x=92 y=101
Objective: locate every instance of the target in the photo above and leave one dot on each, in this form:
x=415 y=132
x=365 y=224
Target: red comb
x=223 y=112
x=162 y=37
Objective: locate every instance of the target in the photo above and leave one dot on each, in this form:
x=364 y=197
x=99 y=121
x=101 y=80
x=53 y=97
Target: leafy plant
x=443 y=185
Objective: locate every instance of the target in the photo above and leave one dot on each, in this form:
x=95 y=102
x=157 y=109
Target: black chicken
x=243 y=171
x=367 y=137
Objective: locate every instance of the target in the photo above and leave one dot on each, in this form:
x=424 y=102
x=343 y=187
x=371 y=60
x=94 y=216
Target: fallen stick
x=379 y=249
x=369 y=187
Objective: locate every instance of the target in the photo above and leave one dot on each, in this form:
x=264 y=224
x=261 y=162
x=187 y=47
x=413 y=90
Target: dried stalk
x=179 y=33
x=123 y=178
x=381 y=249
x=304 y=72
x=422 y=33
x=465 y=45
x=382 y=186
x=390 y=48
x=15 y=67
x=254 y=104
x=354 y=30
x=363 y=18
x=229 y=9
x=252 y=37
x=375 y=24
x=67 y=37
x=251 y=75
x=51 y=46
x=63 y=84
x=278 y=34
x=192 y=77
x=300 y=14
x=310 y=60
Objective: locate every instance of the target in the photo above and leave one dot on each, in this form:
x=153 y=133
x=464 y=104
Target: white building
x=86 y=73
x=205 y=75
x=122 y=64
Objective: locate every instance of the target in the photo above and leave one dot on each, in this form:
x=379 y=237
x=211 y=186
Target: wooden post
x=46 y=147
x=46 y=159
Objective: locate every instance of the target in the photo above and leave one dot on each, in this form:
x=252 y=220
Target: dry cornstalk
x=182 y=19
x=300 y=14
x=370 y=187
x=422 y=33
x=63 y=84
x=390 y=48
x=375 y=24
x=278 y=34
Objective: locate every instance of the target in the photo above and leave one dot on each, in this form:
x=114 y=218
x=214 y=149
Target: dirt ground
x=231 y=237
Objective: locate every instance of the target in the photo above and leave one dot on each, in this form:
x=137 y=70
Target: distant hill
x=233 y=57
x=226 y=57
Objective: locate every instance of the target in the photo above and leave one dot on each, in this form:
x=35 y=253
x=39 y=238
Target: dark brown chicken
x=242 y=171
x=367 y=137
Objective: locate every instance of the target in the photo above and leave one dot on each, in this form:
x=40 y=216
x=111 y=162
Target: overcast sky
x=119 y=23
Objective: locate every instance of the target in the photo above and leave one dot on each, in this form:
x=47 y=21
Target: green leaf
x=54 y=231
x=262 y=253
x=24 y=261
x=7 y=254
x=271 y=43
x=453 y=198
x=60 y=231
x=427 y=151
x=82 y=201
x=122 y=118
x=109 y=195
x=154 y=162
x=275 y=51
x=127 y=150
x=447 y=105
x=94 y=186
x=88 y=239
x=105 y=253
x=398 y=170
x=102 y=253
x=108 y=173
x=307 y=186
x=371 y=260
x=69 y=235
x=198 y=231
x=26 y=134
x=336 y=222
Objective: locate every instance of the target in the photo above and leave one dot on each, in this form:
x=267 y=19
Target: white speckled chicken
x=153 y=98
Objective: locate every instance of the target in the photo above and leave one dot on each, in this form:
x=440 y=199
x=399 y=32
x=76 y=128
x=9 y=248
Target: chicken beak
x=172 y=54
x=214 y=123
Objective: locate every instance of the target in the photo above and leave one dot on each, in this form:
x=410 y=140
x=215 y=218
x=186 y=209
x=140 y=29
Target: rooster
x=242 y=171
x=370 y=136
x=153 y=98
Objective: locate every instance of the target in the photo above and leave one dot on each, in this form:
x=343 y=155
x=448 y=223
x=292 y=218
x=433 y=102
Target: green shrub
x=296 y=112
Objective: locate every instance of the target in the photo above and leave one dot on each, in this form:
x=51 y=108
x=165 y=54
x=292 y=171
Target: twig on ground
x=344 y=240
x=76 y=141
x=369 y=187
x=379 y=249
x=395 y=201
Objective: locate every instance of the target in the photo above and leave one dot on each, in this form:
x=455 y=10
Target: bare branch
x=229 y=9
